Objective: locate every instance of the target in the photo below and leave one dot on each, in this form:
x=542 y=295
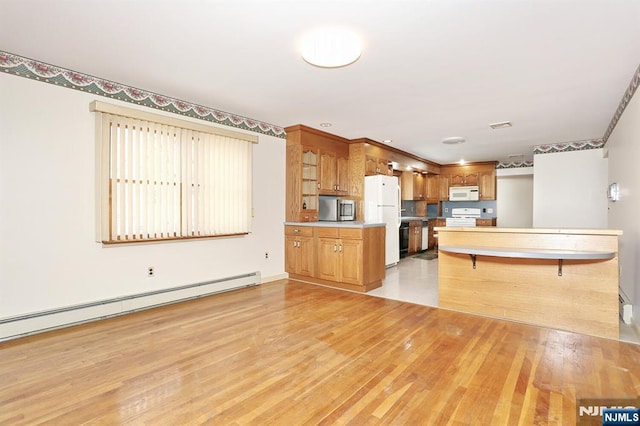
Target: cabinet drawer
x=304 y=231
x=322 y=232
x=351 y=233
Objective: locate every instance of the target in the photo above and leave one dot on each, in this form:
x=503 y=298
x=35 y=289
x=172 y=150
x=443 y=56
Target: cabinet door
x=418 y=186
x=290 y=254
x=487 y=185
x=306 y=256
x=456 y=179
x=351 y=261
x=383 y=167
x=328 y=259
x=431 y=241
x=370 y=166
x=342 y=176
x=432 y=189
x=309 y=188
x=443 y=184
x=471 y=179
x=327 y=172
x=415 y=238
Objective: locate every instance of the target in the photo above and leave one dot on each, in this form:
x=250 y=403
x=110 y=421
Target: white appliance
x=464 y=193
x=463 y=217
x=382 y=205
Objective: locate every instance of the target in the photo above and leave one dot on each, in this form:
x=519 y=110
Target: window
x=161 y=178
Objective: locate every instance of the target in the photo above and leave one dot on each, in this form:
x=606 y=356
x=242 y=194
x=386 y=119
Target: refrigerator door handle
x=399 y=208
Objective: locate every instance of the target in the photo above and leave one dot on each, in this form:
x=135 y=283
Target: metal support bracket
x=473 y=260
x=559 y=267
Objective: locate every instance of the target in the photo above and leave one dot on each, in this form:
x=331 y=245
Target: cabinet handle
x=340 y=248
x=335 y=248
x=297 y=230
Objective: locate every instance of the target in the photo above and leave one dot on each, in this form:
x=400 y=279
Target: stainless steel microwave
x=336 y=209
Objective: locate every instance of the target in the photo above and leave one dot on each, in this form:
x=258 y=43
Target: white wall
x=569 y=190
x=515 y=198
x=624 y=168
x=48 y=254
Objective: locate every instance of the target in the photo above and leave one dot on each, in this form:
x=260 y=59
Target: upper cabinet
x=317 y=163
x=482 y=175
x=377 y=166
x=334 y=173
x=432 y=189
x=463 y=178
x=412 y=186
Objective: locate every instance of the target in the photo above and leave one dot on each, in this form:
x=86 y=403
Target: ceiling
x=430 y=69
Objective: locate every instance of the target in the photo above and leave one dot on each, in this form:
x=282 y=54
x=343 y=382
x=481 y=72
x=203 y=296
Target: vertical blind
x=170 y=182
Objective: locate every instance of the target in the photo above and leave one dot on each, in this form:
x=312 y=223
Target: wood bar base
x=566 y=279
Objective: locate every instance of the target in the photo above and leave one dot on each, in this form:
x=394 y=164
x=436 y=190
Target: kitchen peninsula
x=348 y=255
x=560 y=278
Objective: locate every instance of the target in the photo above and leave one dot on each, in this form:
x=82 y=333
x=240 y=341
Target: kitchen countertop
x=341 y=224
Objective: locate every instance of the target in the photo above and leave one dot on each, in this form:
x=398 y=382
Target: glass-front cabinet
x=309 y=179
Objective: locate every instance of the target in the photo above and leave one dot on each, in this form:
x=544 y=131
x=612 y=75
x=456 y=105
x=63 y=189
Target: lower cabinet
x=351 y=258
x=340 y=259
x=299 y=250
x=415 y=236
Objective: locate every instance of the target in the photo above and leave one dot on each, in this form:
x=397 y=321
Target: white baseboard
x=23 y=325
x=274 y=278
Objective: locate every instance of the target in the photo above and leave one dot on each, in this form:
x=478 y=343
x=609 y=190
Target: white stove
x=463 y=217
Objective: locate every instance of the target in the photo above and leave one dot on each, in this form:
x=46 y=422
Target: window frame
x=103 y=169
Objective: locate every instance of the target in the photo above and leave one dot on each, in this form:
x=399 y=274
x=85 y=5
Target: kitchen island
x=348 y=255
x=560 y=278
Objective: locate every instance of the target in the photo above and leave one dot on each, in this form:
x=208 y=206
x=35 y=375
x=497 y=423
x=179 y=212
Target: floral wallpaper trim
x=25 y=67
x=514 y=164
x=568 y=146
x=628 y=94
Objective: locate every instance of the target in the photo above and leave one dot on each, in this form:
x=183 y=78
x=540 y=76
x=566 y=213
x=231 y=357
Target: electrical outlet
x=266 y=254
x=150 y=271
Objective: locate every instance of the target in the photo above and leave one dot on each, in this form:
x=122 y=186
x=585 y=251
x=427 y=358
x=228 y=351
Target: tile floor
x=415 y=280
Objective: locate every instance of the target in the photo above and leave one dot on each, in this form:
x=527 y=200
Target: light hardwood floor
x=293 y=353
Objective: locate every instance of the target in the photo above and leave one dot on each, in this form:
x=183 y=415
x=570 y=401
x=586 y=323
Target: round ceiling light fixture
x=453 y=140
x=331 y=47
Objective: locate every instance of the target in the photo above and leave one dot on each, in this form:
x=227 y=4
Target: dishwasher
x=425 y=235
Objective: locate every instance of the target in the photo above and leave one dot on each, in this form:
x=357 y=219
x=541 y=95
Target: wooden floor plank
x=294 y=353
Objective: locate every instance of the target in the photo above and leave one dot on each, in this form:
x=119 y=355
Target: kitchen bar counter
x=560 y=278
x=342 y=224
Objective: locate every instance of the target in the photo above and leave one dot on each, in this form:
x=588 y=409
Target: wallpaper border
x=626 y=98
x=41 y=71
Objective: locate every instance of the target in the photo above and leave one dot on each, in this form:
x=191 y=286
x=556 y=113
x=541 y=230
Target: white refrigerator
x=382 y=205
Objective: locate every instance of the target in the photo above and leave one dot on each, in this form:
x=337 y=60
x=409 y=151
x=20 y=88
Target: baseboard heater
x=626 y=308
x=23 y=325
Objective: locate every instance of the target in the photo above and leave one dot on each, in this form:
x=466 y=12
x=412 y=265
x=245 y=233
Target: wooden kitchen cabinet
x=302 y=183
x=334 y=174
x=299 y=250
x=463 y=178
x=340 y=254
x=415 y=236
x=486 y=222
x=431 y=241
x=487 y=184
x=349 y=258
x=432 y=188
x=376 y=166
x=443 y=187
x=308 y=152
x=412 y=187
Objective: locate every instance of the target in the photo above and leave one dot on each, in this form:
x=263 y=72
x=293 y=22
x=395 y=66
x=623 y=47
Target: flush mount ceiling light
x=453 y=140
x=331 y=47
x=387 y=141
x=326 y=124
x=500 y=125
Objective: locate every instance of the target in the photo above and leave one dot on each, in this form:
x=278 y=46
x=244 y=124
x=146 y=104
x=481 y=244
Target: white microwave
x=464 y=193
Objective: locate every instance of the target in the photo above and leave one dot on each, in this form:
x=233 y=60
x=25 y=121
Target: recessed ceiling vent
x=500 y=125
